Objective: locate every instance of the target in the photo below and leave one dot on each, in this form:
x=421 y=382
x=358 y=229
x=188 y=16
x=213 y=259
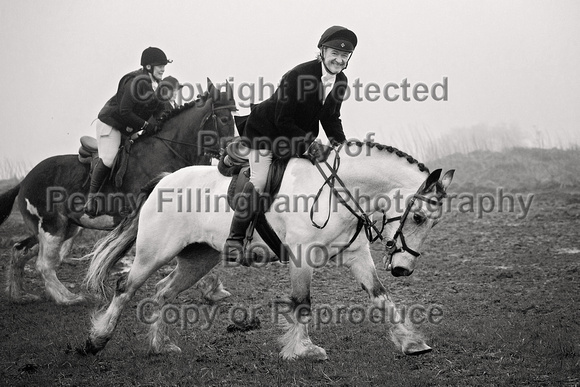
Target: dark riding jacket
x=133 y=105
x=294 y=111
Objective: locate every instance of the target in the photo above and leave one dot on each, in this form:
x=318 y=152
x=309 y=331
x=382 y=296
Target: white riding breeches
x=108 y=142
x=260 y=161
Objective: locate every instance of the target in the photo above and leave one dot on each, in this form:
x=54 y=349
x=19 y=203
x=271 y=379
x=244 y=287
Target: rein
x=364 y=220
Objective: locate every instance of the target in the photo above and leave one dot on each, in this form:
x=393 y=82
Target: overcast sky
x=514 y=63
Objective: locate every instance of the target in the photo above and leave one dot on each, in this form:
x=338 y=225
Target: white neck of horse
x=377 y=174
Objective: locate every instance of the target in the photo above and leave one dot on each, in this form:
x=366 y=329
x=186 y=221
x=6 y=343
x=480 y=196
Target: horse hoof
x=218 y=296
x=415 y=349
x=315 y=353
x=89 y=348
x=310 y=352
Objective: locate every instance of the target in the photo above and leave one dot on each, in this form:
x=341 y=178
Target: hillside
x=516 y=169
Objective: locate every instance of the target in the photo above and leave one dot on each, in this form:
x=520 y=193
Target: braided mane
x=390 y=149
x=169 y=114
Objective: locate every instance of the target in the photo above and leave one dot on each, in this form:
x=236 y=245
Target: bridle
x=211 y=114
x=391 y=244
x=364 y=220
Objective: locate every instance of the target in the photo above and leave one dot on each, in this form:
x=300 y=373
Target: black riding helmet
x=339 y=38
x=154 y=56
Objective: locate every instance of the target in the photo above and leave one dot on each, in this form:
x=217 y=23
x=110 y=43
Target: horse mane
x=169 y=114
x=390 y=149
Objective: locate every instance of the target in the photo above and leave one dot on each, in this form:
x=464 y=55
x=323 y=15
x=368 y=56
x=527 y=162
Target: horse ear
x=447 y=178
x=229 y=91
x=431 y=180
x=213 y=93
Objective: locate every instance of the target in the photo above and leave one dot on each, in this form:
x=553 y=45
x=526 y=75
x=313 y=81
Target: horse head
x=206 y=123
x=422 y=213
x=218 y=127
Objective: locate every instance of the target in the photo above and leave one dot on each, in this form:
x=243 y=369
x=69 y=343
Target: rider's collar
x=154 y=82
x=326 y=75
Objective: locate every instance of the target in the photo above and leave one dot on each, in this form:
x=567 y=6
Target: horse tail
x=110 y=249
x=7 y=202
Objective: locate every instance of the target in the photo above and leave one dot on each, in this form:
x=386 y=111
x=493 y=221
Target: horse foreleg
x=402 y=333
x=49 y=259
x=193 y=263
x=295 y=314
x=21 y=253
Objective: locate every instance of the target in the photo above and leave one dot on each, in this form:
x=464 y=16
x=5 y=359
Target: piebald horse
x=51 y=197
x=169 y=225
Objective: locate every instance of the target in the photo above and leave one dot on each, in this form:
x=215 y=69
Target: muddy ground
x=508 y=288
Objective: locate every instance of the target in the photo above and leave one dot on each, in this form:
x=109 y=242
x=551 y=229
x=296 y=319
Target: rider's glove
x=317 y=152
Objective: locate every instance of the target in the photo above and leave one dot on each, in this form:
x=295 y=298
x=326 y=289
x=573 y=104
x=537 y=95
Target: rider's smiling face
x=335 y=60
x=158 y=72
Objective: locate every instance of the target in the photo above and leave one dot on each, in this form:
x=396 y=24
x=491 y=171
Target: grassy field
x=508 y=286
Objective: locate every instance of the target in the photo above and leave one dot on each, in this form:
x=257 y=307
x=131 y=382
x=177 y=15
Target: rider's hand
x=317 y=152
x=150 y=129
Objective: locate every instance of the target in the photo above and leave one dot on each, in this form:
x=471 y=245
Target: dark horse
x=52 y=195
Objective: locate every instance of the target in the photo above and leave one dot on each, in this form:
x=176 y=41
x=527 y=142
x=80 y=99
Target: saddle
x=234 y=163
x=89 y=154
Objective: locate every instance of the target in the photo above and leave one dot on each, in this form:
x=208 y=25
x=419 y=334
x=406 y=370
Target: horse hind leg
x=21 y=253
x=212 y=288
x=67 y=245
x=49 y=258
x=103 y=322
x=193 y=263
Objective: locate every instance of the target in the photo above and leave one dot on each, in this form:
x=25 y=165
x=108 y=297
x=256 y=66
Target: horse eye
x=418 y=218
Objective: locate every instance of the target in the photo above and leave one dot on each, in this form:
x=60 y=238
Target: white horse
x=187 y=217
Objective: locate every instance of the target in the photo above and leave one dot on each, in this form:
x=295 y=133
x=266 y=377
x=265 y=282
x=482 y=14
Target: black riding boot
x=247 y=205
x=100 y=173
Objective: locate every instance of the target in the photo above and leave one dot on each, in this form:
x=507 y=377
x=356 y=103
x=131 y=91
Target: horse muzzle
x=399 y=271
x=400 y=267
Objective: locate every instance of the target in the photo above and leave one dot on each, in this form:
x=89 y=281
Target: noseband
x=364 y=220
x=391 y=244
